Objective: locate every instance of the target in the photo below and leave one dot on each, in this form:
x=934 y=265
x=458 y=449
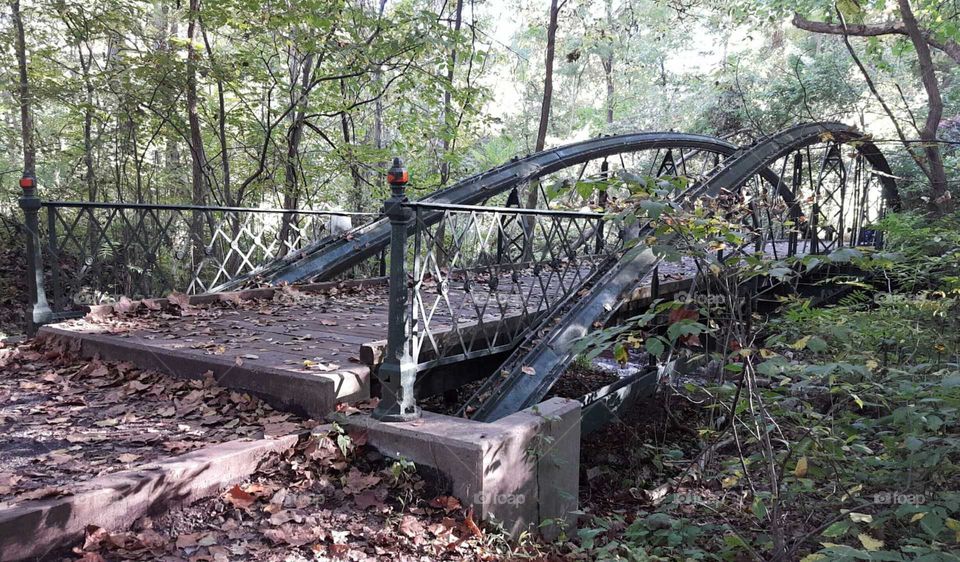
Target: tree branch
x=951 y=48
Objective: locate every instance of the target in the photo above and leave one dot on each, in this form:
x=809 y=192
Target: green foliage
x=854 y=409
x=921 y=253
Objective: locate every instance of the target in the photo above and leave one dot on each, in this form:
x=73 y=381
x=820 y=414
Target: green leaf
x=759 y=510
x=620 y=354
x=817 y=344
x=654 y=346
x=837 y=529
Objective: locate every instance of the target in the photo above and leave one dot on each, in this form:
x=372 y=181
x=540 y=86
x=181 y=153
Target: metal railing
x=481 y=275
x=97 y=252
x=473 y=279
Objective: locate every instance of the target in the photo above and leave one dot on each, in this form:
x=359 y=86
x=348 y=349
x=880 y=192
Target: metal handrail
x=505 y=210
x=158 y=206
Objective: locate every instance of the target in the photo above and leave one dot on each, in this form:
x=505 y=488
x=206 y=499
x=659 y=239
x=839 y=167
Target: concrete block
x=521 y=471
x=34 y=529
x=312 y=395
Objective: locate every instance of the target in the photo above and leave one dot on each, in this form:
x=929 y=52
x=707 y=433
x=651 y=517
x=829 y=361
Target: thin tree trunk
x=608 y=75
x=198 y=192
x=938 y=178
x=346 y=127
x=533 y=195
x=291 y=175
x=548 y=77
x=170 y=28
x=228 y=197
x=608 y=68
x=449 y=127
x=91 y=179
x=26 y=119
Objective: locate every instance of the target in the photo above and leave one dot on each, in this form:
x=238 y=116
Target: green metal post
x=39 y=312
x=398 y=372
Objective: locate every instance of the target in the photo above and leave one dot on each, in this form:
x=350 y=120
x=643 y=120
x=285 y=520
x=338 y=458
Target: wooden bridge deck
x=300 y=349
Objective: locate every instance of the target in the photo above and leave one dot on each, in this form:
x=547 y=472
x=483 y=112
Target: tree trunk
x=940 y=197
x=228 y=197
x=608 y=67
x=448 y=123
x=198 y=192
x=346 y=127
x=170 y=28
x=291 y=174
x=608 y=75
x=26 y=119
x=91 y=179
x=533 y=195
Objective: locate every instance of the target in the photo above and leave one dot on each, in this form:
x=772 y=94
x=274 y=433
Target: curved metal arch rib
x=757 y=159
x=332 y=256
x=548 y=349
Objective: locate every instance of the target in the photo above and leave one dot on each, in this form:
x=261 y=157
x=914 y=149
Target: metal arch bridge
x=505 y=263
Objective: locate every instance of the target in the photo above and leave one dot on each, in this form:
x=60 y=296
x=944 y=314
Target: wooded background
x=298 y=103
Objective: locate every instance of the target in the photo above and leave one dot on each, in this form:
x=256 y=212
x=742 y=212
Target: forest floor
x=329 y=498
x=67 y=420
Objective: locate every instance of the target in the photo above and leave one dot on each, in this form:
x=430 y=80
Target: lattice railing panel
x=480 y=275
x=103 y=251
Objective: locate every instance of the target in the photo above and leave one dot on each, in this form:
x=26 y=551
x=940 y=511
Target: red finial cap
x=397 y=174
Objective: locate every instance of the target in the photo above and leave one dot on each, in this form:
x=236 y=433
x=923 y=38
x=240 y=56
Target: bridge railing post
x=38 y=312
x=398 y=372
x=602 y=203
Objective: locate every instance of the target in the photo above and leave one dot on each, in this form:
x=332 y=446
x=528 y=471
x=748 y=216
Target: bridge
x=492 y=279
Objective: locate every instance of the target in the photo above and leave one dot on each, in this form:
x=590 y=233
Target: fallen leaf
x=368 y=499
x=357 y=481
x=801 y=470
x=869 y=542
x=471 y=525
x=410 y=526
x=238 y=498
x=187 y=540
x=41 y=493
x=446 y=503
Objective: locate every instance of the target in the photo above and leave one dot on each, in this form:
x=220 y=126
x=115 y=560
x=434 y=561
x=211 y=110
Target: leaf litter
x=330 y=497
x=67 y=420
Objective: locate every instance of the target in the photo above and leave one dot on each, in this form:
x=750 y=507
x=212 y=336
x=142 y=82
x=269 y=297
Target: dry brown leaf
x=95 y=538
x=368 y=499
x=125 y=305
x=41 y=493
x=295 y=535
x=357 y=481
x=471 y=525
x=411 y=526
x=238 y=498
x=187 y=540
x=446 y=503
x=179 y=299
